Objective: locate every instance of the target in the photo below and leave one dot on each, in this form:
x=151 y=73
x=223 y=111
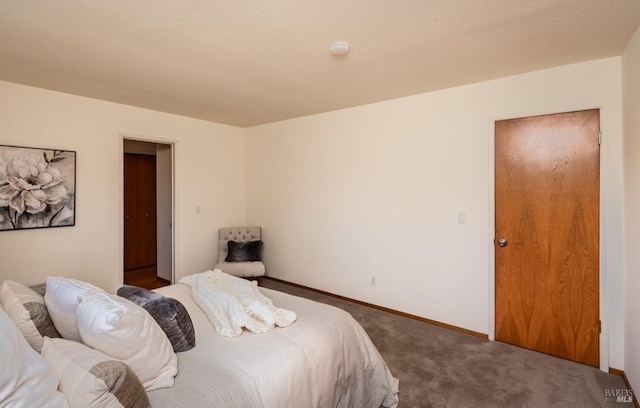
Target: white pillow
x=90 y=378
x=26 y=308
x=26 y=380
x=62 y=297
x=124 y=330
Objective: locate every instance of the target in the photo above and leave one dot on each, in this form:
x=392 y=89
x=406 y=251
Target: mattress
x=324 y=359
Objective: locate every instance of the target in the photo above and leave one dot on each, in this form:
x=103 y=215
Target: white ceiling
x=248 y=62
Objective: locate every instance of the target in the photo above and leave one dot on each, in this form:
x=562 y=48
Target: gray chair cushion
x=242 y=269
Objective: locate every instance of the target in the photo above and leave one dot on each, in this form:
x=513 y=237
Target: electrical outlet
x=373 y=281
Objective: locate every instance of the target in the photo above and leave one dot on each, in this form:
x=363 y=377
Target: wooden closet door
x=140 y=238
x=130 y=211
x=147 y=238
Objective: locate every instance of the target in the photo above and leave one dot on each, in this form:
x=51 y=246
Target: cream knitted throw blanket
x=232 y=303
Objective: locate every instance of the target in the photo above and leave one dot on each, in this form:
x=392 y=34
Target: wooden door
x=147 y=237
x=140 y=238
x=547 y=210
x=130 y=211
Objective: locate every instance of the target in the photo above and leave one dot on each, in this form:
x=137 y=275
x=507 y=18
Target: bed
x=73 y=344
x=324 y=359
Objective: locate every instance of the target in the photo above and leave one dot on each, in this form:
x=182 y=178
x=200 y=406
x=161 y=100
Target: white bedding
x=232 y=304
x=325 y=359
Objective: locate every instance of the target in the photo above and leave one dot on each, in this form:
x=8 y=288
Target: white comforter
x=232 y=304
x=325 y=359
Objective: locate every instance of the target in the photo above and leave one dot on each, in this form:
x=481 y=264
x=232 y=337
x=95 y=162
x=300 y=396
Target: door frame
x=174 y=210
x=604 y=212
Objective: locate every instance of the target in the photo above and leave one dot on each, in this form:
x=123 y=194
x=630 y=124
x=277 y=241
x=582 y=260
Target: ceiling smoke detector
x=339 y=48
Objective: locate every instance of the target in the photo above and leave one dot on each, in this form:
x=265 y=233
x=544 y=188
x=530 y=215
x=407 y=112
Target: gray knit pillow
x=169 y=313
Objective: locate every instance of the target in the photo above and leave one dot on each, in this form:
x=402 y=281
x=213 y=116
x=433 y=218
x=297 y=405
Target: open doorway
x=148 y=214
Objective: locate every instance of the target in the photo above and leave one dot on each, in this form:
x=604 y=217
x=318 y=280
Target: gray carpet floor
x=439 y=367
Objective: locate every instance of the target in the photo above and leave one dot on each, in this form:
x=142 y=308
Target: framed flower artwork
x=37 y=188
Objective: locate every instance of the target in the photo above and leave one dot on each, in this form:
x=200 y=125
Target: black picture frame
x=37 y=188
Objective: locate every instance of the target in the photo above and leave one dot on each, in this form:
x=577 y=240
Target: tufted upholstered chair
x=240 y=269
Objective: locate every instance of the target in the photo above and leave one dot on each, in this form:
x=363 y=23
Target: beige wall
x=631 y=100
x=209 y=164
x=375 y=191
x=372 y=191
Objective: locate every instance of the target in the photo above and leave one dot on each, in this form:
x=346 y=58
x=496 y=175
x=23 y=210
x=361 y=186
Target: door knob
x=502 y=242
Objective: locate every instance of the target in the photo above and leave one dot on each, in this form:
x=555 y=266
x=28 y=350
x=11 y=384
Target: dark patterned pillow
x=244 y=251
x=169 y=313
